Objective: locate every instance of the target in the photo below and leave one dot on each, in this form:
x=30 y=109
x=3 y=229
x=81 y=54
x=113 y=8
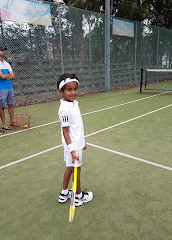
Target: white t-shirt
x=70 y=116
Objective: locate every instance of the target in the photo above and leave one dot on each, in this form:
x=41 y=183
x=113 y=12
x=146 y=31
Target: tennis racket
x=74 y=188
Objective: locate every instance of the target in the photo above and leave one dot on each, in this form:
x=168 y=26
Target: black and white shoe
x=1 y=132
x=63 y=198
x=86 y=197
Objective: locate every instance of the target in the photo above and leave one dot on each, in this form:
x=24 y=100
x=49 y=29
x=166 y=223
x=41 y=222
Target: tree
x=93 y=5
x=156 y=12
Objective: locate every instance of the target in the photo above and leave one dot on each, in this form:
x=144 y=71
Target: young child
x=72 y=136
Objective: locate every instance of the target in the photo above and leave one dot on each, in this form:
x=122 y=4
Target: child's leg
x=65 y=194
x=66 y=178
x=82 y=197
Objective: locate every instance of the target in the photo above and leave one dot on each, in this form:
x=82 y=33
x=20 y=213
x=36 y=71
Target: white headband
x=67 y=80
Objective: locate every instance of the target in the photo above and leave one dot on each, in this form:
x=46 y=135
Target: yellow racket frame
x=74 y=188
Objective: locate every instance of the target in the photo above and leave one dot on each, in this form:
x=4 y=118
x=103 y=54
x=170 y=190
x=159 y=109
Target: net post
x=146 y=78
x=141 y=81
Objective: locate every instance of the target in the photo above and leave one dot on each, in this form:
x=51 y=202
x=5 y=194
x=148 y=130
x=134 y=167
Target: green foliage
x=94 y=5
x=155 y=12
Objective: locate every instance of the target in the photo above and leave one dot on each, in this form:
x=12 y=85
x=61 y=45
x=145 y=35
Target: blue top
x=5 y=68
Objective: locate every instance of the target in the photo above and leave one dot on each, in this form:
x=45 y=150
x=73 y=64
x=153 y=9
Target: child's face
x=70 y=91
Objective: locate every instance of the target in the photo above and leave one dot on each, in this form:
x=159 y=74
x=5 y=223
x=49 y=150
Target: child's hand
x=74 y=156
x=85 y=147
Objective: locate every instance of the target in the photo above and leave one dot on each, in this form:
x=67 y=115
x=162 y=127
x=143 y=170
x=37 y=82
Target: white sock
x=65 y=192
x=79 y=195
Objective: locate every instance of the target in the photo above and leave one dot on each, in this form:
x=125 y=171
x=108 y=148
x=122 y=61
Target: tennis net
x=156 y=79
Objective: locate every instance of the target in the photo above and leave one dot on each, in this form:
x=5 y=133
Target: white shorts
x=68 y=159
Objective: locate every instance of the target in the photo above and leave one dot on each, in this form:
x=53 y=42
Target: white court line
x=122 y=104
x=28 y=129
x=32 y=156
x=130 y=156
x=129 y=120
x=103 y=109
x=88 y=135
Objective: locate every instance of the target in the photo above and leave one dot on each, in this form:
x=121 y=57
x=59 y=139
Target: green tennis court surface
x=127 y=166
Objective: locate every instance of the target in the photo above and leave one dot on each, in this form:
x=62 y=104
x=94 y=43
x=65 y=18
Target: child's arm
x=85 y=147
x=68 y=141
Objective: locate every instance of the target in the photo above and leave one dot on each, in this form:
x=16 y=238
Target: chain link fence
x=75 y=43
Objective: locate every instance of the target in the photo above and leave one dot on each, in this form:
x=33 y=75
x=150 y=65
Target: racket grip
x=76 y=162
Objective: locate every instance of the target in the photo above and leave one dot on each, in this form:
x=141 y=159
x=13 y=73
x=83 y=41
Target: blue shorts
x=6 y=97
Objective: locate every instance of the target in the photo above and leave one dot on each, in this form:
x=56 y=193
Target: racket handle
x=76 y=162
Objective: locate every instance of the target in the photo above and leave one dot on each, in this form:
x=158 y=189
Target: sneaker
x=63 y=198
x=1 y=132
x=86 y=197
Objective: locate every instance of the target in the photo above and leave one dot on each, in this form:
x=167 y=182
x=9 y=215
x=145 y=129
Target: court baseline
x=88 y=135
